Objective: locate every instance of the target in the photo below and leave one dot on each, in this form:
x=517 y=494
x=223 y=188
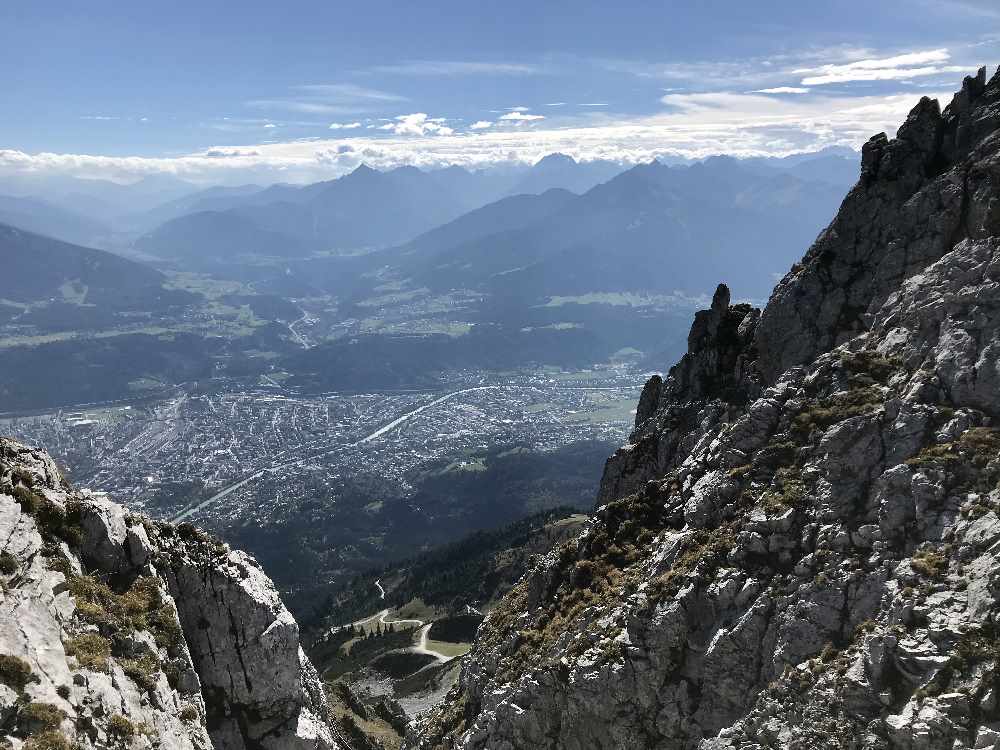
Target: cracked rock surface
x=799 y=546
x=118 y=632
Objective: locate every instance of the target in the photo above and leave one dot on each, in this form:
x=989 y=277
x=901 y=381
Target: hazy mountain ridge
x=38 y=216
x=366 y=208
x=37 y=267
x=638 y=221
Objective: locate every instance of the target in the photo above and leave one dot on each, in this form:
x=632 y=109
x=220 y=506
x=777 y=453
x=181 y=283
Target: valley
x=322 y=485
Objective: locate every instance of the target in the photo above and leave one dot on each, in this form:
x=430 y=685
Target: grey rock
x=796 y=547
x=236 y=676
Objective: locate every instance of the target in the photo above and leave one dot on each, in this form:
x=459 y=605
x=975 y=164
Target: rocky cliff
x=798 y=547
x=118 y=632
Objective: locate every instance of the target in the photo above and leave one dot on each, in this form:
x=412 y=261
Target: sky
x=256 y=91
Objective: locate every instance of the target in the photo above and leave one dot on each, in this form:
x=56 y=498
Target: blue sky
x=300 y=91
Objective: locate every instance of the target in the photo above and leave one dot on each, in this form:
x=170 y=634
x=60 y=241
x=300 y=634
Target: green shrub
x=935 y=456
x=189 y=714
x=15 y=672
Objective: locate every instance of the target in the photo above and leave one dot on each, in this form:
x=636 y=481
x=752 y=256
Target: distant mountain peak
x=362 y=169
x=556 y=158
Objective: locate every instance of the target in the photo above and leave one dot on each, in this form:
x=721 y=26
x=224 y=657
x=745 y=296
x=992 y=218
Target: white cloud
x=782 y=90
x=909 y=65
x=760 y=72
x=454 y=68
x=308 y=107
x=481 y=125
x=329 y=99
x=694 y=125
x=521 y=117
x=348 y=91
x=270 y=125
x=344 y=125
x=418 y=123
x=556 y=104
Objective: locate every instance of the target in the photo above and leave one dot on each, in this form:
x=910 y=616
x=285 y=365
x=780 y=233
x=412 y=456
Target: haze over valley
x=234 y=362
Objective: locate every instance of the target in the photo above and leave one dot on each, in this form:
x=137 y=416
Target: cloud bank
x=693 y=125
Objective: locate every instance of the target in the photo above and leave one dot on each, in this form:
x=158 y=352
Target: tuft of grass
x=50 y=739
x=789 y=489
x=121 y=729
x=707 y=547
x=829 y=411
x=26 y=498
x=140 y=607
x=869 y=366
x=143 y=671
x=22 y=476
x=42 y=716
x=15 y=672
x=977 y=646
x=188 y=714
x=930 y=564
x=91 y=650
x=53 y=521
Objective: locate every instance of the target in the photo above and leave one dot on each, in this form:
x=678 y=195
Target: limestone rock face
x=799 y=546
x=116 y=631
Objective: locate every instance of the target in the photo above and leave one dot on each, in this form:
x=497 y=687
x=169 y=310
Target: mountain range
x=551 y=278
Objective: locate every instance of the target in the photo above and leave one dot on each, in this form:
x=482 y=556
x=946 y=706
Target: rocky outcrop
x=116 y=631
x=799 y=546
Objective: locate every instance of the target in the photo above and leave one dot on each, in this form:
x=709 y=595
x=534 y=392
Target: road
x=190 y=511
x=421 y=647
x=381 y=617
x=302 y=340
